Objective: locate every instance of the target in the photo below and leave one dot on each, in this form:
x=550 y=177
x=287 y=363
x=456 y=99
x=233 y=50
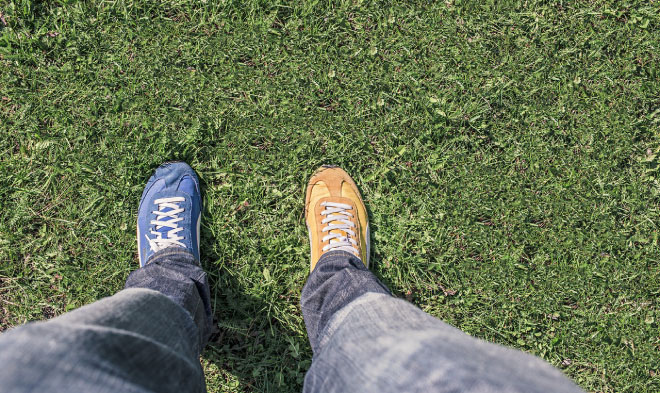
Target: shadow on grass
x=250 y=343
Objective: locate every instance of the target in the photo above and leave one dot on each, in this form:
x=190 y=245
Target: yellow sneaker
x=335 y=215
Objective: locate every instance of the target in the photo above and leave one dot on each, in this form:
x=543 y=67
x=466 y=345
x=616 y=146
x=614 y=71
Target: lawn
x=508 y=152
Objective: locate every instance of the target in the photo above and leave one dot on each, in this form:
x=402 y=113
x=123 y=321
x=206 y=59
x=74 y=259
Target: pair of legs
x=148 y=337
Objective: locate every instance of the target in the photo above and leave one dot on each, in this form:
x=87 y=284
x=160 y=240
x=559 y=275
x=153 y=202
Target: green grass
x=507 y=151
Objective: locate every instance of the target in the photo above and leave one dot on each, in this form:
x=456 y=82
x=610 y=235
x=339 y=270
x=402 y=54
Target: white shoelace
x=336 y=212
x=172 y=238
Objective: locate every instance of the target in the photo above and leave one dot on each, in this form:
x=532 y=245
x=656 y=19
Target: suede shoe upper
x=335 y=215
x=170 y=211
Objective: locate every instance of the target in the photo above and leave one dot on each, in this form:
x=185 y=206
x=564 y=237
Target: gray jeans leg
x=338 y=279
x=138 y=340
x=377 y=343
x=146 y=338
x=177 y=274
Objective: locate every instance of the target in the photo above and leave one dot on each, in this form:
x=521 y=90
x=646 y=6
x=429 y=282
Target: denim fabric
x=365 y=340
x=146 y=338
x=176 y=273
x=135 y=341
x=339 y=278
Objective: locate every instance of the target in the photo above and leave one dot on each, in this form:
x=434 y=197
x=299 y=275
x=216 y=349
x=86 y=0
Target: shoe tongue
x=186 y=185
x=163 y=230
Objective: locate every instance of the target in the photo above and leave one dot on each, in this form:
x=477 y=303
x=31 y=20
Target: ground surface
x=506 y=151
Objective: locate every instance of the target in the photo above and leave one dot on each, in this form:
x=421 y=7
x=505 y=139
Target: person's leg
x=365 y=340
x=338 y=279
x=146 y=338
x=177 y=274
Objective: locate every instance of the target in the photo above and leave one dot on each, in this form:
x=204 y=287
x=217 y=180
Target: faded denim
x=146 y=338
x=365 y=340
x=177 y=274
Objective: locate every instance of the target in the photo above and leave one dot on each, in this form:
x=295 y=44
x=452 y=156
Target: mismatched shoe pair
x=170 y=213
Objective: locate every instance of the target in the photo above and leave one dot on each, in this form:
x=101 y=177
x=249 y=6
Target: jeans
x=148 y=338
x=365 y=340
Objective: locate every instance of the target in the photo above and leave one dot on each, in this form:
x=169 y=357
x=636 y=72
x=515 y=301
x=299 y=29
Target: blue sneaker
x=170 y=211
